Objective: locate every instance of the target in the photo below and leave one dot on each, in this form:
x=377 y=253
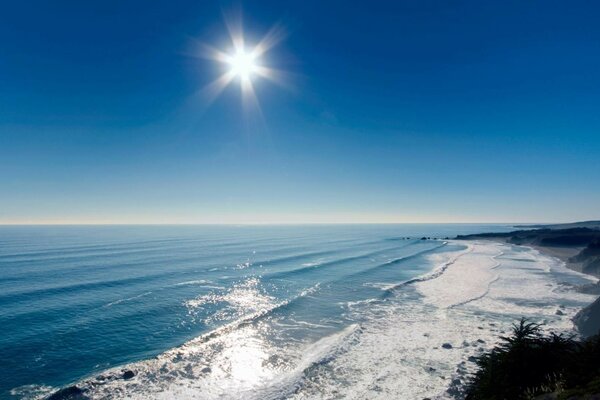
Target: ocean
x=264 y=312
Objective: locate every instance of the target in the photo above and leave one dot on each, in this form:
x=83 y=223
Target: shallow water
x=262 y=312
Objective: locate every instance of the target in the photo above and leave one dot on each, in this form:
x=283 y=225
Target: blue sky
x=412 y=111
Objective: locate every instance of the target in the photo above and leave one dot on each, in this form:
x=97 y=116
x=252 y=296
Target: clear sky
x=410 y=111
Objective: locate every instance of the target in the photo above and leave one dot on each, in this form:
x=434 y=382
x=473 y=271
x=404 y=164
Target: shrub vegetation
x=529 y=364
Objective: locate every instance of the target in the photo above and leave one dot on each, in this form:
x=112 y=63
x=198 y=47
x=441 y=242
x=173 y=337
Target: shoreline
x=457 y=316
x=447 y=339
x=576 y=248
x=472 y=283
x=564 y=254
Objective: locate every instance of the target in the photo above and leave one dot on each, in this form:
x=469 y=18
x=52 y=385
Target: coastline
x=448 y=316
x=576 y=249
x=587 y=320
x=430 y=329
x=501 y=282
x=563 y=254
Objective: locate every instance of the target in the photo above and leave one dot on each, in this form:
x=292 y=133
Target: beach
x=361 y=312
x=404 y=347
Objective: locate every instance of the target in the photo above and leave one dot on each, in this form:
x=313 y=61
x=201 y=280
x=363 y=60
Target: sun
x=243 y=64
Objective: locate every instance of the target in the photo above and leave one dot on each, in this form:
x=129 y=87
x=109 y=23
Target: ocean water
x=265 y=312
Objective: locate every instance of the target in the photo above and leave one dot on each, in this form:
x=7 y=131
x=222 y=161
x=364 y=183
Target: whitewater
x=304 y=314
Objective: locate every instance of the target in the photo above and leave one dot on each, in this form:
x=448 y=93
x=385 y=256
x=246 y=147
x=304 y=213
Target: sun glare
x=243 y=64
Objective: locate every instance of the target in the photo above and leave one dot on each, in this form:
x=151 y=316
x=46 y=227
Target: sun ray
x=234 y=24
x=216 y=87
x=270 y=40
x=250 y=104
x=279 y=77
x=213 y=53
x=243 y=63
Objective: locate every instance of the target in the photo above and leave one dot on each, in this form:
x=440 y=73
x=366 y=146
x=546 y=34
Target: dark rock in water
x=588 y=319
x=472 y=358
x=558 y=312
x=447 y=346
x=128 y=374
x=69 y=393
x=590 y=288
x=205 y=370
x=423 y=238
x=481 y=340
x=455 y=388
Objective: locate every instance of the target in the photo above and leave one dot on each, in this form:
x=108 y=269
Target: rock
x=454 y=389
x=205 y=370
x=447 y=346
x=480 y=340
x=590 y=288
x=558 y=312
x=128 y=374
x=472 y=359
x=69 y=393
x=588 y=319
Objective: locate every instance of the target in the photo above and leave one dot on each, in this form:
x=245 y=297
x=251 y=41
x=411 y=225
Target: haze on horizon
x=405 y=112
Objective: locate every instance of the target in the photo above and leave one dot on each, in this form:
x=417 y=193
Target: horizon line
x=277 y=223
